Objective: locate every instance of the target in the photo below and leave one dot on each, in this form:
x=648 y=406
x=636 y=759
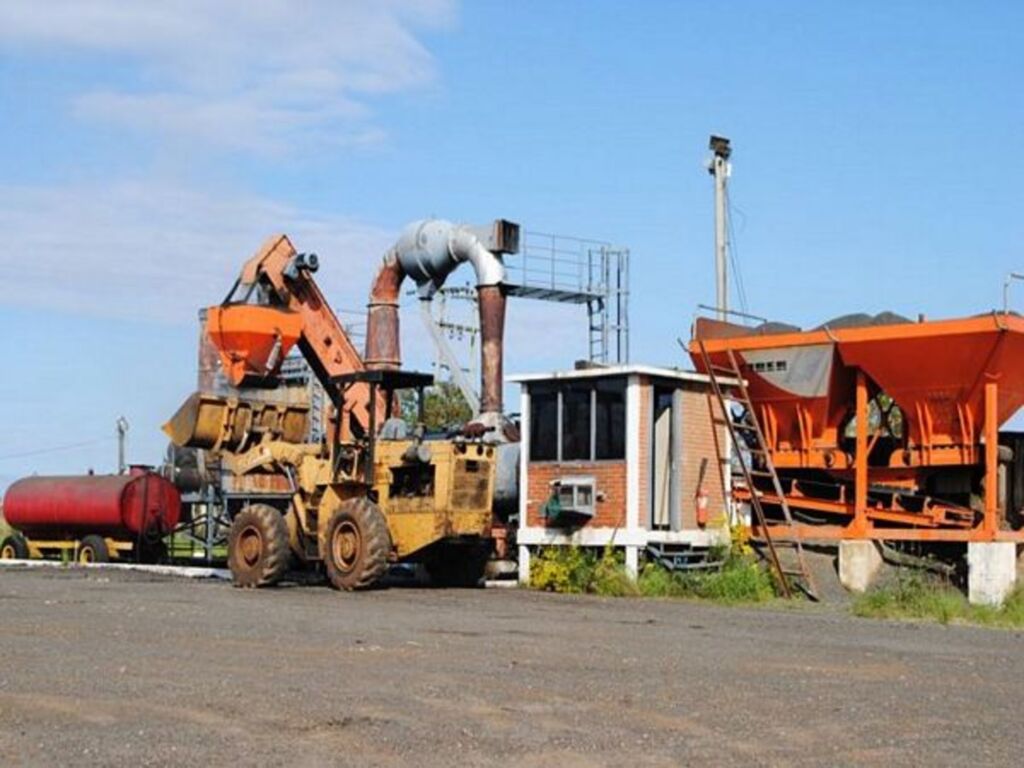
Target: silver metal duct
x=428 y=251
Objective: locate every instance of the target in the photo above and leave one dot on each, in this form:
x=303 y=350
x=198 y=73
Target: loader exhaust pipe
x=428 y=251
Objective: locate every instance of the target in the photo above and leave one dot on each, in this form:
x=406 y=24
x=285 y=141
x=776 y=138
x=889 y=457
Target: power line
x=56 y=448
x=741 y=291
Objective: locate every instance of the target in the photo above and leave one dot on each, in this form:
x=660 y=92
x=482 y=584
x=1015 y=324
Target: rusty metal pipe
x=383 y=350
x=492 y=332
x=428 y=251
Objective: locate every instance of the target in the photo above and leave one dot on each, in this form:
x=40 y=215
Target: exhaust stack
x=428 y=251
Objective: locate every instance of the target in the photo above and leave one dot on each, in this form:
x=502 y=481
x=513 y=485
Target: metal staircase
x=789 y=578
x=683 y=557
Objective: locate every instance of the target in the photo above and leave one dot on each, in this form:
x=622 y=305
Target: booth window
x=543 y=423
x=576 y=422
x=610 y=419
x=582 y=420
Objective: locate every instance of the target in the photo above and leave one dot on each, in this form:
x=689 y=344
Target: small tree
x=444 y=407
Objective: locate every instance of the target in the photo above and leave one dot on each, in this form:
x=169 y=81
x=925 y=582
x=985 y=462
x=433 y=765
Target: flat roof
x=629 y=369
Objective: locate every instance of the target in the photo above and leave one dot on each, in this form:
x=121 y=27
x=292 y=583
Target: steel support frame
x=990 y=522
x=860 y=484
x=809 y=532
x=862 y=526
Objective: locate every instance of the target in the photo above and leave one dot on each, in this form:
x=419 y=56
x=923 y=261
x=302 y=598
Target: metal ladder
x=801 y=576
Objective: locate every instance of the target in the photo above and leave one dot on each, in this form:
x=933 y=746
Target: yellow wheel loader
x=375 y=491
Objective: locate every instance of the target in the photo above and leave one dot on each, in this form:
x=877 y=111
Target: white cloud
x=260 y=76
x=158 y=252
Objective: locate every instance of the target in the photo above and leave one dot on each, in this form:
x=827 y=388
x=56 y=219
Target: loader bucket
x=213 y=422
x=252 y=340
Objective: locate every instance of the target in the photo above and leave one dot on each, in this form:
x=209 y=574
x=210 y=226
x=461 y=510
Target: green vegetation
x=443 y=406
x=741 y=579
x=575 y=570
x=5 y=530
x=914 y=596
x=179 y=547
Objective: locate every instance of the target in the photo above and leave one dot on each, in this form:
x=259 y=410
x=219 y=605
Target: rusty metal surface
x=216 y=422
x=382 y=338
x=288 y=276
x=492 y=330
x=428 y=252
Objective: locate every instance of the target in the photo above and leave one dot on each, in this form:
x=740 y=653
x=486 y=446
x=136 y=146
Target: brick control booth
x=621 y=455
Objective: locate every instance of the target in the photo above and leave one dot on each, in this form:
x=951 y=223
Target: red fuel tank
x=111 y=505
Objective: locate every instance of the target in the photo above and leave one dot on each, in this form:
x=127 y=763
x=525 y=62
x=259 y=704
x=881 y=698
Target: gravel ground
x=122 y=669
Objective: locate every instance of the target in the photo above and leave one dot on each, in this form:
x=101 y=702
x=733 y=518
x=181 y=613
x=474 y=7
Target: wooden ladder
x=788 y=578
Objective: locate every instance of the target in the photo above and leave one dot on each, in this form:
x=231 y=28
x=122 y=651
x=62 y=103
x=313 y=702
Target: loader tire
x=258 y=552
x=93 y=549
x=14 y=547
x=356 y=546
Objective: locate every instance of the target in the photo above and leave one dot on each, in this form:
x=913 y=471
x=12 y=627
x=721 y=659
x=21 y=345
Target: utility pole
x=122 y=433
x=720 y=168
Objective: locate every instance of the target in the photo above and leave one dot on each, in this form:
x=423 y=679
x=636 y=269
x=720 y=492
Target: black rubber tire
x=93 y=549
x=357 y=545
x=258 y=552
x=457 y=565
x=14 y=547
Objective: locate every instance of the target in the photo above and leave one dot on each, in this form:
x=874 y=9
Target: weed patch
x=575 y=570
x=914 y=596
x=741 y=579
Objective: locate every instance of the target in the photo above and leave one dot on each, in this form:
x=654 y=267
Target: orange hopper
x=252 y=339
x=802 y=383
x=954 y=382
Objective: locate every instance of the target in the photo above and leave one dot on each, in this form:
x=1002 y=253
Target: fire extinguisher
x=701 y=496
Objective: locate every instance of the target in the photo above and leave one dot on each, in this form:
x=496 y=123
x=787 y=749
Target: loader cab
x=389 y=384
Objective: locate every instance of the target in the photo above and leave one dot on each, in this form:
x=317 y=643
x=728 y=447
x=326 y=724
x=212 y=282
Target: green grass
x=917 y=597
x=741 y=579
x=575 y=570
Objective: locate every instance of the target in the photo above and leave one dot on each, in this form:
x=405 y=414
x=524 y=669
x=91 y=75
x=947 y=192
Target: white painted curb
x=180 y=571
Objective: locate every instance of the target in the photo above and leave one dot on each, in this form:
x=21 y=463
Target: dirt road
x=128 y=670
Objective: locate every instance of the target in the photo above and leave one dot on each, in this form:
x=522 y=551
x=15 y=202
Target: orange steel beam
x=808 y=532
x=936 y=517
x=860 y=484
x=991 y=520
x=324 y=342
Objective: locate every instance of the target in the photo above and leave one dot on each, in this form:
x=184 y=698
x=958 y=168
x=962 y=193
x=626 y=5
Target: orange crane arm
x=283 y=278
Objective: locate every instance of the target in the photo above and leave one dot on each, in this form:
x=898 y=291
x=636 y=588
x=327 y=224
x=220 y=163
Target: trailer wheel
x=457 y=565
x=93 y=549
x=356 y=546
x=14 y=547
x=258 y=546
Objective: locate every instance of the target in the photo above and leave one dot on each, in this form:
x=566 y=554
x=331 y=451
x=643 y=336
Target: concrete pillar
x=991 y=571
x=633 y=561
x=859 y=563
x=524 y=565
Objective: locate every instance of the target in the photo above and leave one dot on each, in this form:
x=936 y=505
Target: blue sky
x=147 y=149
